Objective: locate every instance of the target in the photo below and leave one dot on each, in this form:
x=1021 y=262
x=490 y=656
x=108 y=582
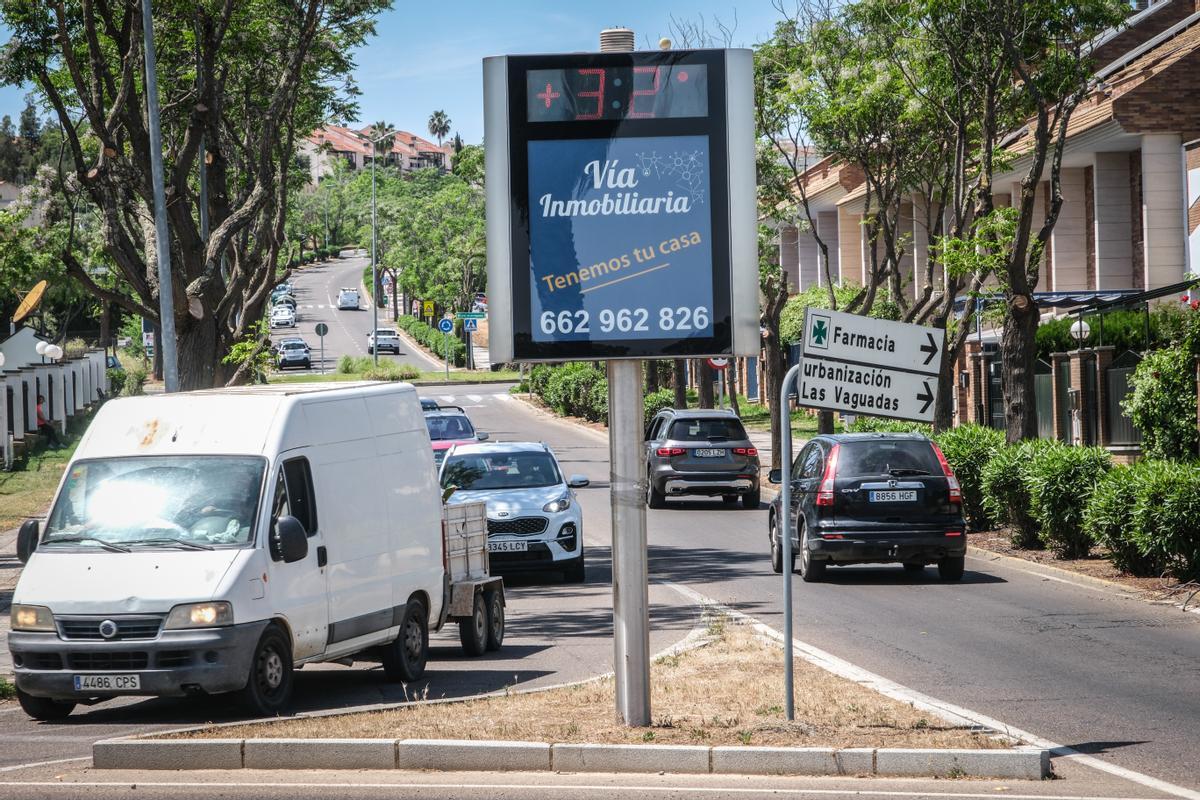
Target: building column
x=976 y=410
x=827 y=227
x=1068 y=242
x=788 y=257
x=1103 y=360
x=1164 y=221
x=809 y=258
x=1113 y=231
x=15 y=382
x=1056 y=391
x=849 y=246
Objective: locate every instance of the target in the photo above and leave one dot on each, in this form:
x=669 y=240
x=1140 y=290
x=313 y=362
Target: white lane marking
x=475 y=398
x=33 y=764
x=948 y=711
x=502 y=397
x=581 y=787
x=447 y=398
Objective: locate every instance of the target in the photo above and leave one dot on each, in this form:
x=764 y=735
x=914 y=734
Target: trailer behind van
x=211 y=542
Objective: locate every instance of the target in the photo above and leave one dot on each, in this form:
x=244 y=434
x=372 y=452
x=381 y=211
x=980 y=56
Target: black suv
x=703 y=452
x=869 y=498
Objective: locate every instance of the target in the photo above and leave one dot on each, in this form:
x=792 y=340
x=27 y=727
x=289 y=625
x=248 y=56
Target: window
x=498 y=470
x=895 y=457
x=705 y=430
x=656 y=426
x=449 y=428
x=814 y=462
x=798 y=464
x=294 y=494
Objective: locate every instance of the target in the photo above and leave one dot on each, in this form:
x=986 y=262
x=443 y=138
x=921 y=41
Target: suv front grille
x=521 y=525
x=127 y=628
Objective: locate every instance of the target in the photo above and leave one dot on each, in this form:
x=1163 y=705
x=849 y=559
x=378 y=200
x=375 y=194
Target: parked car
x=700 y=452
x=285 y=300
x=348 y=300
x=448 y=426
x=429 y=404
x=283 y=317
x=871 y=498
x=533 y=517
x=384 y=339
x=211 y=542
x=294 y=353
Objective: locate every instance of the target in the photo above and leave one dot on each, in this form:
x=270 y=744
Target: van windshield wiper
x=908 y=471
x=107 y=545
x=171 y=540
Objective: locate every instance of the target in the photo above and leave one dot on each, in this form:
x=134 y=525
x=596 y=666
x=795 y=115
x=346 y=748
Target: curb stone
x=1025 y=763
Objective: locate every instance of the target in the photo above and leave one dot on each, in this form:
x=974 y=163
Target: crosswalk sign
x=470 y=325
x=429 y=308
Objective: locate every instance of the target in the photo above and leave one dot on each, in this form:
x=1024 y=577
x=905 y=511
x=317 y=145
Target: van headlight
x=200 y=615
x=32 y=618
x=560 y=504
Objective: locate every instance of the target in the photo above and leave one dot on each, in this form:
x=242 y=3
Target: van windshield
x=196 y=502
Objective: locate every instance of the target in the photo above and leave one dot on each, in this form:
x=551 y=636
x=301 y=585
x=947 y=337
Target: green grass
x=461 y=376
x=7 y=690
x=757 y=417
x=25 y=493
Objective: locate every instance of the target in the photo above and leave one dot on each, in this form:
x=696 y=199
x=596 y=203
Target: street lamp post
x=374 y=277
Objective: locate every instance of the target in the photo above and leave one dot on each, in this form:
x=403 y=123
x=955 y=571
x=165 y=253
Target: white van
x=211 y=541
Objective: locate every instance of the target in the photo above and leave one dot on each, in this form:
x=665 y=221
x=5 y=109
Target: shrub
x=345 y=365
x=135 y=380
x=116 y=381
x=865 y=424
x=1005 y=497
x=434 y=340
x=657 y=401
x=390 y=371
x=1164 y=520
x=538 y=378
x=1059 y=481
x=969 y=448
x=1162 y=403
x=1109 y=518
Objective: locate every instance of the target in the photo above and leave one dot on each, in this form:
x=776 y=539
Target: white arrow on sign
x=869 y=390
x=863 y=340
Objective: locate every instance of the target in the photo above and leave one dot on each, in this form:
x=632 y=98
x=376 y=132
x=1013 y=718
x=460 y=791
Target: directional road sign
x=861 y=365
x=471 y=315
x=470 y=324
x=445 y=326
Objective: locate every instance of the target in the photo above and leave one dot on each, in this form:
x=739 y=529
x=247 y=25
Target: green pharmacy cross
x=820 y=332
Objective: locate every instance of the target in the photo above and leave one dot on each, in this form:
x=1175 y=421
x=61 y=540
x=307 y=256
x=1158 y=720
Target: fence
x=1116 y=385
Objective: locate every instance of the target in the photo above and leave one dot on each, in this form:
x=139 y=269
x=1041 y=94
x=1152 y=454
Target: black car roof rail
x=451 y=408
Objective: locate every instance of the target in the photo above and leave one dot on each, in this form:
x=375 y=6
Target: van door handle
x=322 y=556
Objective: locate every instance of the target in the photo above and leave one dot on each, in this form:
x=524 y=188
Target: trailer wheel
x=495 y=615
x=473 y=631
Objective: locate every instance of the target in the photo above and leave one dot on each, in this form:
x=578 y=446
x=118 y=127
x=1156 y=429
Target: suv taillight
x=745 y=451
x=951 y=480
x=667 y=452
x=825 y=492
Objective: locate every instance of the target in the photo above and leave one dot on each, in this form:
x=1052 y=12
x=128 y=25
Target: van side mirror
x=481 y=436
x=27 y=540
x=578 y=481
x=775 y=476
x=289 y=542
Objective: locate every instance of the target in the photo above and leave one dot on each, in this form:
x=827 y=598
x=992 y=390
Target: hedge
x=434 y=340
x=1060 y=480
x=968 y=449
x=1005 y=490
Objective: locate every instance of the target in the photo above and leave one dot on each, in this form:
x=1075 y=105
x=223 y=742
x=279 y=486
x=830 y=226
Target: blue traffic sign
x=470 y=325
x=445 y=326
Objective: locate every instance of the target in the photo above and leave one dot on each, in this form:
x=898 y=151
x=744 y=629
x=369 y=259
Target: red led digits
x=650 y=92
x=597 y=93
x=549 y=95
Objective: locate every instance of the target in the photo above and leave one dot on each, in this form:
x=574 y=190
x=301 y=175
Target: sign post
x=621 y=225
x=446 y=326
x=720 y=365
x=321 y=330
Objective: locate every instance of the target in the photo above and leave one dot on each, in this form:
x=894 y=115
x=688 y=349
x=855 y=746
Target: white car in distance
x=388 y=341
x=348 y=300
x=533 y=516
x=283 y=317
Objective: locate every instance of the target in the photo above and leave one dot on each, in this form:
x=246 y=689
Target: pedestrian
x=43 y=425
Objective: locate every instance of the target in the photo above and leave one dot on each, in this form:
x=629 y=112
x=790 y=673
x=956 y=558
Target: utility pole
x=162 y=245
x=374 y=277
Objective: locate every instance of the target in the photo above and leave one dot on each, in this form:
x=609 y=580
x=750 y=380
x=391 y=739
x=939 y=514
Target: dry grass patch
x=725 y=693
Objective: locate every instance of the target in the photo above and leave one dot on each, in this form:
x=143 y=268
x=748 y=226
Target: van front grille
x=108 y=660
x=88 y=628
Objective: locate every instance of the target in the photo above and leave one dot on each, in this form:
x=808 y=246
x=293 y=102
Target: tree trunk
x=105 y=325
x=680 y=379
x=707 y=375
x=652 y=379
x=824 y=422
x=1019 y=345
x=198 y=354
x=157 y=365
x=731 y=385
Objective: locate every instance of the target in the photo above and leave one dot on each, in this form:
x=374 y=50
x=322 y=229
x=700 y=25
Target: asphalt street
x=315 y=288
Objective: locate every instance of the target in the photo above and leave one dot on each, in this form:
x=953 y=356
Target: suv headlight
x=560 y=504
x=32 y=618
x=200 y=615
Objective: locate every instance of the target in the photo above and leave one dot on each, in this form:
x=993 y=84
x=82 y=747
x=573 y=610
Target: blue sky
x=427 y=56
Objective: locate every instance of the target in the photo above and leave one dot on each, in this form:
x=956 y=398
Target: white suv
x=387 y=339
x=347 y=300
x=534 y=519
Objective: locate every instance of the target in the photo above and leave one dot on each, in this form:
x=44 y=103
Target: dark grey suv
x=701 y=452
x=862 y=498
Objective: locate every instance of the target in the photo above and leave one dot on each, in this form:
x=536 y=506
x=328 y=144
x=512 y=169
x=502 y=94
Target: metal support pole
x=446 y=351
x=627 y=487
x=785 y=535
x=374 y=278
x=162 y=245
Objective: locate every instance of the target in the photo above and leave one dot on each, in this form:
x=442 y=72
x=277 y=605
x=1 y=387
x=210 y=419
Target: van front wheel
x=269 y=688
x=44 y=709
x=404 y=659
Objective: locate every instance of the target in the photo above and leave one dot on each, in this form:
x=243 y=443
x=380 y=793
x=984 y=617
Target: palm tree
x=439 y=125
x=384 y=145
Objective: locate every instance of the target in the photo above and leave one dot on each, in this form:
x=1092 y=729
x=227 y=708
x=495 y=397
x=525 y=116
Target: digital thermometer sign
x=621 y=205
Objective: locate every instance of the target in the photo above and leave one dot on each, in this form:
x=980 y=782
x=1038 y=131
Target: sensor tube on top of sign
x=620 y=237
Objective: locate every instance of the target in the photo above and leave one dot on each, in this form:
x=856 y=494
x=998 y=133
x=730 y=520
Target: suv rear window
x=706 y=430
x=858 y=459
